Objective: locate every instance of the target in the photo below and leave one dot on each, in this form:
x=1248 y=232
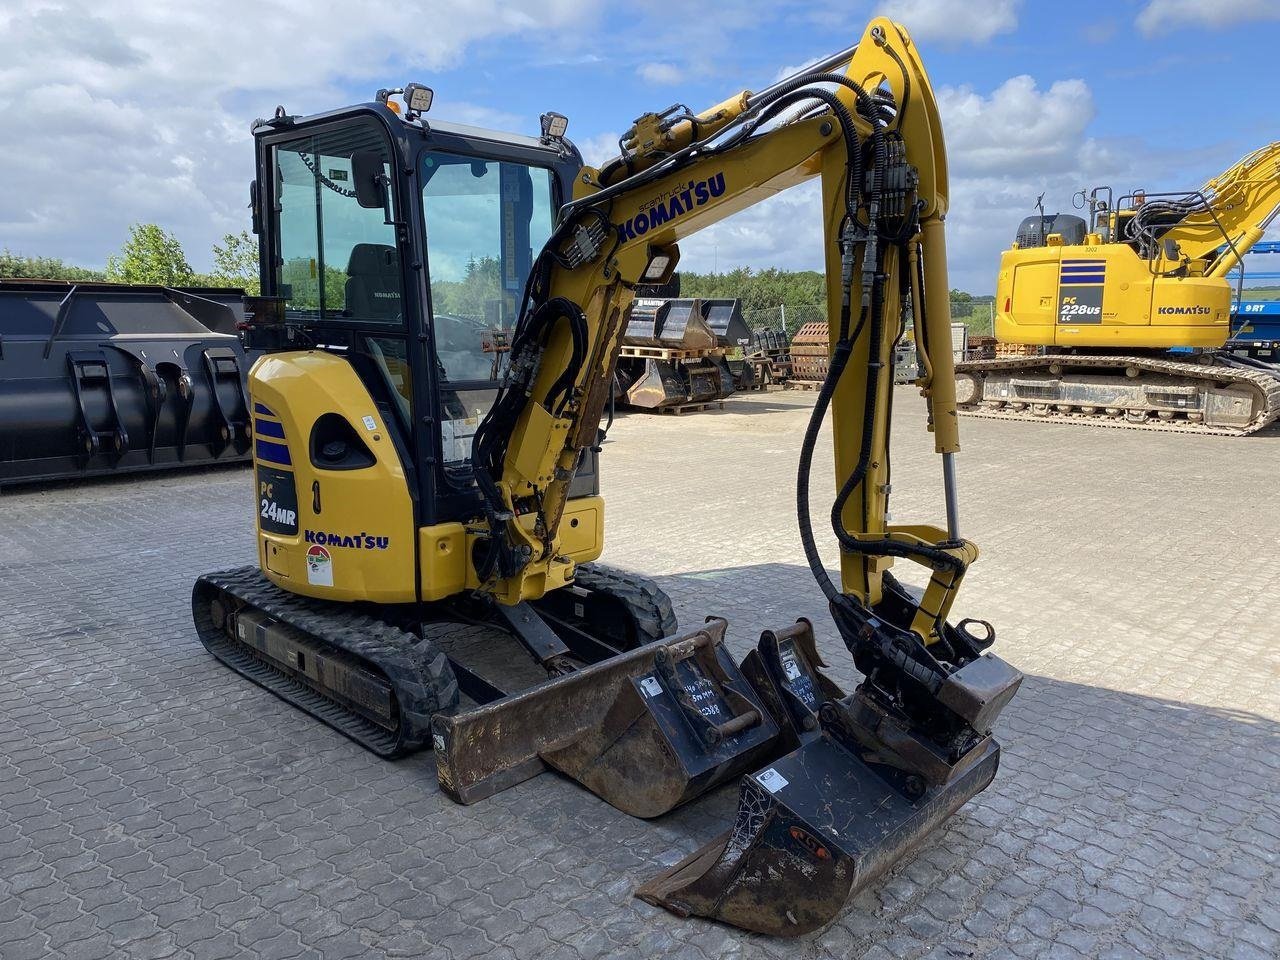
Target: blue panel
x=268 y=428
x=262 y=408
x=1082 y=280
x=269 y=452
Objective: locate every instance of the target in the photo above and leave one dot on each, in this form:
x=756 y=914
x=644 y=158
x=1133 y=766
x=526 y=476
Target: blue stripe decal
x=1081 y=280
x=260 y=408
x=1077 y=260
x=268 y=428
x=276 y=453
x=1068 y=271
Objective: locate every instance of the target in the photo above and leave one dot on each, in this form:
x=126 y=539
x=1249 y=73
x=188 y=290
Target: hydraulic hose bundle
x=863 y=231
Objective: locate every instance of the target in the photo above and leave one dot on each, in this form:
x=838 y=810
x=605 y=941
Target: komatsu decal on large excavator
x=491 y=543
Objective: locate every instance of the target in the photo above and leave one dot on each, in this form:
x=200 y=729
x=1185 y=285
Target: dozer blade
x=645 y=731
x=816 y=826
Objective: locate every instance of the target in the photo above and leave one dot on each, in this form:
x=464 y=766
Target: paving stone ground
x=154 y=805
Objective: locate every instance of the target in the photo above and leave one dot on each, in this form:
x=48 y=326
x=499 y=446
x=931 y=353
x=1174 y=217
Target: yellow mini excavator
x=1132 y=308
x=442 y=317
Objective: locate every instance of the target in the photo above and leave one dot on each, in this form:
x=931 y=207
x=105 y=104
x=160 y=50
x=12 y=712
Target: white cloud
x=1017 y=128
x=660 y=73
x=784 y=231
x=1005 y=147
x=1161 y=16
x=979 y=21
x=123 y=110
x=598 y=149
x=1004 y=150
x=791 y=71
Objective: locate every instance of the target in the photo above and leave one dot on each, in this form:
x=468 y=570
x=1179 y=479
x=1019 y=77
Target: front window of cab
x=336 y=260
x=486 y=221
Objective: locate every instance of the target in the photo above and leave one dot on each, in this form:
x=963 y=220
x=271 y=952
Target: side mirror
x=370 y=181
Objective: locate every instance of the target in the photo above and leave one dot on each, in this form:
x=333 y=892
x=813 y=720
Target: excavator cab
x=345 y=196
x=395 y=256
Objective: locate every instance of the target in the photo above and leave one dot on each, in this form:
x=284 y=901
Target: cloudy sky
x=118 y=111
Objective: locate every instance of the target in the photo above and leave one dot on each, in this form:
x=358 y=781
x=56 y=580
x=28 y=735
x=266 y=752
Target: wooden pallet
x=1016 y=350
x=681 y=408
x=803 y=385
x=667 y=353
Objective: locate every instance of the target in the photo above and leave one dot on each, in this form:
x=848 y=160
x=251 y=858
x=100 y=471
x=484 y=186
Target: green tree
x=469 y=296
x=235 y=263
x=16 y=266
x=150 y=255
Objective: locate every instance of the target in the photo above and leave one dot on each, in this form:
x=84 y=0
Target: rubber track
x=1267 y=385
x=648 y=602
x=417 y=671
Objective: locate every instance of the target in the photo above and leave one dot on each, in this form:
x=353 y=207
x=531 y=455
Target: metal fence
x=977 y=314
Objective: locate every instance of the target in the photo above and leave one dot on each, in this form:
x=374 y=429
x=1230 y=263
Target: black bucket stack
x=674 y=350
x=101 y=378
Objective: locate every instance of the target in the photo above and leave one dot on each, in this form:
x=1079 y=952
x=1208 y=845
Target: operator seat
x=373 y=282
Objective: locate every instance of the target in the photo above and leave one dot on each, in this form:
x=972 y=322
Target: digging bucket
x=822 y=822
x=645 y=731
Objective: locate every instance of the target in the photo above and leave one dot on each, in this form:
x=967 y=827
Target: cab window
x=486 y=221
x=336 y=260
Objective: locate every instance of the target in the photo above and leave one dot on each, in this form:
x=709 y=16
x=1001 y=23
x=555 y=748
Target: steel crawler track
x=412 y=669
x=1266 y=388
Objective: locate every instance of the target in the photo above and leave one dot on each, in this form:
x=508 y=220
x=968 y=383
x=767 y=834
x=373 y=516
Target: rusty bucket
x=822 y=822
x=645 y=731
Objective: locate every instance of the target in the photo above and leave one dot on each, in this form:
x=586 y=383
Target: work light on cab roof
x=417 y=99
x=554 y=125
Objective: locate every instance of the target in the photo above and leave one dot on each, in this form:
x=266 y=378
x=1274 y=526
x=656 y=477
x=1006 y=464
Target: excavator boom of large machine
x=362 y=406
x=1110 y=298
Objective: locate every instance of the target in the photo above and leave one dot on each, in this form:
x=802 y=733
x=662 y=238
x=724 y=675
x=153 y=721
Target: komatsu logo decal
x=360 y=541
x=1196 y=311
x=675 y=204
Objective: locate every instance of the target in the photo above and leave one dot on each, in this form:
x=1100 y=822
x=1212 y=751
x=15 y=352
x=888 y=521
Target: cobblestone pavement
x=152 y=804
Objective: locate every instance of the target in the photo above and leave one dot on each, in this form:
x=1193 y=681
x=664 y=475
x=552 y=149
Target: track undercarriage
x=379 y=674
x=1214 y=394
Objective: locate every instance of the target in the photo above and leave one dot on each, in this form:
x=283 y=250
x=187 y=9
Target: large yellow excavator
x=1132 y=308
x=443 y=312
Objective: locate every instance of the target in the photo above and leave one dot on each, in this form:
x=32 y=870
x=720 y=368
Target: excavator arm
x=869 y=773
x=872 y=134
x=1217 y=224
